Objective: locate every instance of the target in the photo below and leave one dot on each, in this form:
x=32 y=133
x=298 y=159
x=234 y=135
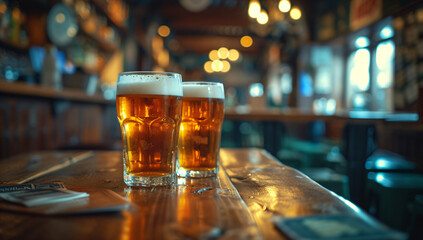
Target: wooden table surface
x=250 y=189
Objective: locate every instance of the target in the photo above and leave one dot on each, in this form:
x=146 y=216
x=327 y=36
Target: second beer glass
x=201 y=126
x=149 y=111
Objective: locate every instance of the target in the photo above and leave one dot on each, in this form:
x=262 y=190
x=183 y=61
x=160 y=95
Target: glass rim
x=202 y=83
x=148 y=73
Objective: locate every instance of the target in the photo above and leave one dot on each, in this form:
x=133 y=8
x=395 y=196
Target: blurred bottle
x=5 y=20
x=51 y=75
x=15 y=25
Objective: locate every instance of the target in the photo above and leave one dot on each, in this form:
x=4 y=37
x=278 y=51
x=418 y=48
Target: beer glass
x=149 y=106
x=201 y=126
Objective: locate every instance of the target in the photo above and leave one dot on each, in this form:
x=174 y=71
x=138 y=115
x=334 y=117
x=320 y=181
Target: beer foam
x=204 y=91
x=154 y=84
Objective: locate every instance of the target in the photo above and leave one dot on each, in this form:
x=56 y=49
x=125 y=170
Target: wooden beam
x=179 y=17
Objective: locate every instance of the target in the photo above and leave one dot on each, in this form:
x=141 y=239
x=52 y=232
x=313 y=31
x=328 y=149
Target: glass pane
x=323 y=80
x=358 y=69
x=256 y=90
x=386 y=32
x=384 y=63
x=286 y=83
x=362 y=42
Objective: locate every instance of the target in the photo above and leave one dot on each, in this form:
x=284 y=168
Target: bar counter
x=251 y=188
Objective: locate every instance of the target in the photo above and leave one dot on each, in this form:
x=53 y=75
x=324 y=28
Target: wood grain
x=250 y=189
x=271 y=189
x=192 y=209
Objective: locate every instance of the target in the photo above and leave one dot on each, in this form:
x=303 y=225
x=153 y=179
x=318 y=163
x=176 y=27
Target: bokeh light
x=226 y=66
x=163 y=31
x=208 y=67
x=217 y=65
x=295 y=13
x=284 y=6
x=223 y=53
x=246 y=41
x=213 y=55
x=263 y=18
x=233 y=55
x=254 y=9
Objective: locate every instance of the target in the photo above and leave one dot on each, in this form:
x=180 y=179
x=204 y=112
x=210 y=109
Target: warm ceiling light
x=217 y=65
x=263 y=18
x=208 y=67
x=226 y=66
x=163 y=31
x=233 y=55
x=254 y=9
x=284 y=6
x=213 y=55
x=223 y=53
x=157 y=44
x=295 y=13
x=246 y=41
x=163 y=58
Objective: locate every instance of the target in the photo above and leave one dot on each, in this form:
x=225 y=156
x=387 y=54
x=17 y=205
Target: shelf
x=13 y=46
x=24 y=89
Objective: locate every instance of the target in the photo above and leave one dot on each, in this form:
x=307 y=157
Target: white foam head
x=151 y=83
x=203 y=90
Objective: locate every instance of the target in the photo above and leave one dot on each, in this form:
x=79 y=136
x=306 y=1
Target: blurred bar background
x=333 y=88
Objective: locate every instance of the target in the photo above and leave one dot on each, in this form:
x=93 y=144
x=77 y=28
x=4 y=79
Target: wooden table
x=359 y=134
x=250 y=189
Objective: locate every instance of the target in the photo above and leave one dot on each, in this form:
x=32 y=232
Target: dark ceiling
x=222 y=23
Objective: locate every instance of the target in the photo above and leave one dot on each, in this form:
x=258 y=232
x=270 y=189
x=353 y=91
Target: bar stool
x=392 y=183
x=387 y=161
x=389 y=194
x=416 y=210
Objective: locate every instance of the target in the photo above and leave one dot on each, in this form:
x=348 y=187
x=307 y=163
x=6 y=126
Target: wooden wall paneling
x=22 y=113
x=4 y=129
x=30 y=124
x=67 y=118
x=34 y=135
x=42 y=125
x=46 y=125
x=28 y=133
x=407 y=142
x=72 y=125
x=111 y=128
x=91 y=125
x=13 y=128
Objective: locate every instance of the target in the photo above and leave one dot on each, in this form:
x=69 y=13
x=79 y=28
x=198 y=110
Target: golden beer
x=149 y=114
x=201 y=127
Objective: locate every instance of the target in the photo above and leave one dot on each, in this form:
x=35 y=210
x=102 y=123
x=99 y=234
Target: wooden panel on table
x=270 y=189
x=23 y=165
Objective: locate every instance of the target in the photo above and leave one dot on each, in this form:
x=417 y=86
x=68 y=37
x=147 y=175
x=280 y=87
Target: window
x=370 y=68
